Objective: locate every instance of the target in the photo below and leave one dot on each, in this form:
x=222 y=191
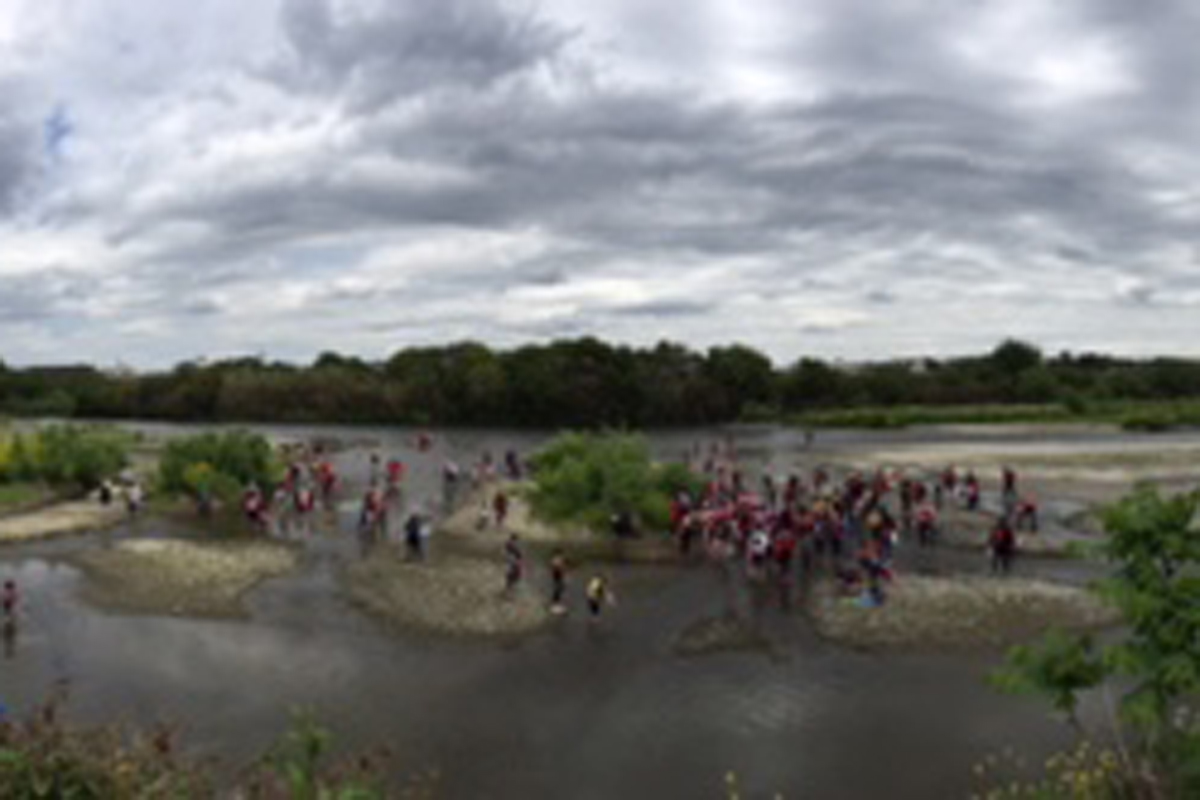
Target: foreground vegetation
x=586 y=382
x=41 y=756
x=1153 y=667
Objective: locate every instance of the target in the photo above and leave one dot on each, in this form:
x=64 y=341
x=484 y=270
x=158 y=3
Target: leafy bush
x=298 y=768
x=63 y=455
x=1085 y=772
x=588 y=478
x=43 y=757
x=219 y=463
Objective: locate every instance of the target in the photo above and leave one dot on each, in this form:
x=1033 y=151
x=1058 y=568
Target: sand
x=958 y=612
x=451 y=595
x=163 y=576
x=58 y=520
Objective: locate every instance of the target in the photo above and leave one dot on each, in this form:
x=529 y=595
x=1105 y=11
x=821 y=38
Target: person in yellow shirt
x=599 y=595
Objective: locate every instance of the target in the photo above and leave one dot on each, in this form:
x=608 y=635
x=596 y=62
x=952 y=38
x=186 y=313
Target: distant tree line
x=582 y=382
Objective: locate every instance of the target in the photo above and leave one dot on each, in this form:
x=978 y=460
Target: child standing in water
x=598 y=595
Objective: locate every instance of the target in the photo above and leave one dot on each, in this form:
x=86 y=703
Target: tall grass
x=1129 y=415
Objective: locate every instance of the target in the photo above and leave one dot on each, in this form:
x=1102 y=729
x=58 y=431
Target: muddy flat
x=59 y=519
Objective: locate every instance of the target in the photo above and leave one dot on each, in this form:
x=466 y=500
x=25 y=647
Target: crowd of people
x=783 y=528
x=780 y=529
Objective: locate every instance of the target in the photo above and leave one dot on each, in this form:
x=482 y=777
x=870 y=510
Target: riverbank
x=24 y=496
x=1051 y=470
x=1129 y=415
x=955 y=613
x=59 y=519
x=201 y=579
x=454 y=595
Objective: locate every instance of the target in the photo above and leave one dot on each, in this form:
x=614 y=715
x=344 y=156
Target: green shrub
x=64 y=455
x=220 y=463
x=1152 y=662
x=42 y=757
x=587 y=478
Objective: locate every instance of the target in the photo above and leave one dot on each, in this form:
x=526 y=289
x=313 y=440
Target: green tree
x=743 y=376
x=1012 y=357
x=812 y=383
x=1154 y=548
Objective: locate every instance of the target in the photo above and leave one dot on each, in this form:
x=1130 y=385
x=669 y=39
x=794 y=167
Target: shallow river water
x=583 y=712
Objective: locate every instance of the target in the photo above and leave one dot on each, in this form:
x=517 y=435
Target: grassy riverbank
x=1128 y=415
x=16 y=497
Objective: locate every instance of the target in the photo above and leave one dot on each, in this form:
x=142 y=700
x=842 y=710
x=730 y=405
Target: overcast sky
x=841 y=178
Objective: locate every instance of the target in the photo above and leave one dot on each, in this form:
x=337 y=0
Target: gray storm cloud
x=835 y=178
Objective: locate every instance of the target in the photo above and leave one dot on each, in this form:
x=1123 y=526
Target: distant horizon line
x=119 y=367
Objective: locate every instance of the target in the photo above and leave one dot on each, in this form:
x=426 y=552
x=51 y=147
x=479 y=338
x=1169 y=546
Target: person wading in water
x=558 y=582
x=514 y=564
x=599 y=595
x=1003 y=543
x=412 y=537
x=9 y=603
x=500 y=508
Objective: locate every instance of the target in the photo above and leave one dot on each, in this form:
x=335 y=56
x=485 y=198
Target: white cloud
x=840 y=177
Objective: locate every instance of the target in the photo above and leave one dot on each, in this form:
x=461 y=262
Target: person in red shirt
x=679 y=514
x=950 y=479
x=783 y=549
x=395 y=472
x=372 y=519
x=972 y=489
x=1027 y=513
x=500 y=508
x=254 y=505
x=926 y=525
x=1003 y=542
